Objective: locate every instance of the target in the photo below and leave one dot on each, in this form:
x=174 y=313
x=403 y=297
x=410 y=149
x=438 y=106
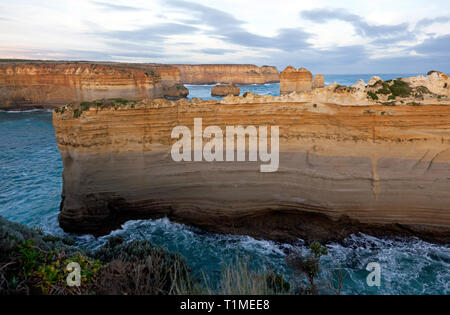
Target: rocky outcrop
x=319 y=81
x=378 y=169
x=436 y=82
x=299 y=81
x=49 y=85
x=176 y=91
x=237 y=74
x=225 y=89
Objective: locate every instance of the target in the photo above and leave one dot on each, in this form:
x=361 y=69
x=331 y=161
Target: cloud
x=115 y=7
x=155 y=33
x=215 y=51
x=438 y=46
x=361 y=26
x=427 y=21
x=226 y=27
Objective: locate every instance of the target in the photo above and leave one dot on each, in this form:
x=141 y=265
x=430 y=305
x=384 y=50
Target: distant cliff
x=237 y=74
x=49 y=85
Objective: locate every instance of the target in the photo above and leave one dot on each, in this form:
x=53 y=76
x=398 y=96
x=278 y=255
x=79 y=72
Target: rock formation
x=225 y=89
x=319 y=81
x=299 y=81
x=374 y=80
x=176 y=91
x=237 y=74
x=378 y=169
x=436 y=82
x=48 y=85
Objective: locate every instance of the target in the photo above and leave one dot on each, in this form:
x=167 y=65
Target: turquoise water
x=30 y=189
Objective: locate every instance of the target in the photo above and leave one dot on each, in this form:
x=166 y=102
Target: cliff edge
x=379 y=169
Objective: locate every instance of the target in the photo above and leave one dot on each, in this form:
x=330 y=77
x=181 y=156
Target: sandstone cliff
x=378 y=169
x=237 y=74
x=48 y=85
x=299 y=81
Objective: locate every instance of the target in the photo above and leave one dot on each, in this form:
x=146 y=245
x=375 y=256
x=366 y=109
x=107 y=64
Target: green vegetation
x=388 y=103
x=413 y=104
x=431 y=72
x=34 y=263
x=395 y=88
x=423 y=90
x=372 y=95
x=115 y=103
x=385 y=89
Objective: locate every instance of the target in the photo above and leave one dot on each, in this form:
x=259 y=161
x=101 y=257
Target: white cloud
x=252 y=31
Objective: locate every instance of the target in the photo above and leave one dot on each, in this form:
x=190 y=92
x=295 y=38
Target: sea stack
x=299 y=81
x=225 y=89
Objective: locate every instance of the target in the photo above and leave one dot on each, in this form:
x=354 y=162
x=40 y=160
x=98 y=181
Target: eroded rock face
x=299 y=81
x=49 y=85
x=342 y=169
x=319 y=81
x=237 y=74
x=437 y=82
x=176 y=91
x=225 y=89
x=374 y=80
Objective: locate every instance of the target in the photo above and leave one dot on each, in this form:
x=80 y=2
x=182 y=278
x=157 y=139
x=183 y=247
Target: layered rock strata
x=299 y=81
x=227 y=73
x=48 y=85
x=342 y=169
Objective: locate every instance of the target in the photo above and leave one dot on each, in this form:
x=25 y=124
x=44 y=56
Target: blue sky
x=403 y=36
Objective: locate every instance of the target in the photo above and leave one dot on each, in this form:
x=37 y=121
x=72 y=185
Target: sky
x=325 y=36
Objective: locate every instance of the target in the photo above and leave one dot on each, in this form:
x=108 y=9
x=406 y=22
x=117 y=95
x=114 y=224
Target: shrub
x=385 y=89
x=308 y=266
x=400 y=88
x=170 y=270
x=372 y=95
x=77 y=113
x=423 y=90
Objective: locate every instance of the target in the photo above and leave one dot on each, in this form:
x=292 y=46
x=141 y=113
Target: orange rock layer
x=237 y=74
x=48 y=85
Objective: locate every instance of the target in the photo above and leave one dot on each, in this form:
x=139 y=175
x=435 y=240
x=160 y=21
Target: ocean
x=31 y=185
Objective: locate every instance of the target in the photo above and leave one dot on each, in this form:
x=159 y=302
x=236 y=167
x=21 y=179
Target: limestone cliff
x=48 y=85
x=299 y=81
x=342 y=169
x=228 y=73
